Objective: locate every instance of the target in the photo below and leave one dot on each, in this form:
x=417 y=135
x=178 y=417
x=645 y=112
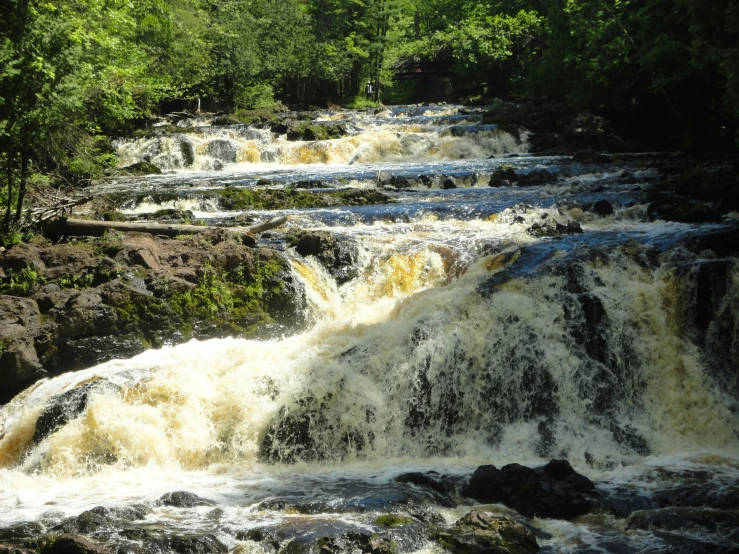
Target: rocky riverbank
x=404 y=514
x=73 y=305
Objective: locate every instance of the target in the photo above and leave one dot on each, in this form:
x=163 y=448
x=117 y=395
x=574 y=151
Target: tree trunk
x=23 y=181
x=9 y=178
x=91 y=228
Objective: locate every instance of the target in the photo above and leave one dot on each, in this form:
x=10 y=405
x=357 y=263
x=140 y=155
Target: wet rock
x=197 y=544
x=187 y=149
x=224 y=120
x=431 y=480
x=336 y=256
x=675 y=543
x=503 y=177
x=449 y=184
x=73 y=544
x=223 y=150
x=671 y=208
x=603 y=208
x=685 y=519
x=171 y=214
x=550 y=228
x=21 y=531
x=478 y=532
x=183 y=499
x=552 y=491
x=13 y=549
x=353 y=542
x=63 y=408
x=268 y=538
x=140 y=168
x=536 y=177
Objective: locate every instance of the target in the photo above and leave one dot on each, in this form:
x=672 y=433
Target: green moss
x=393 y=520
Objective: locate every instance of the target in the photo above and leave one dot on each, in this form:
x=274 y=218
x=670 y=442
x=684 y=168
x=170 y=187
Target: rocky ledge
x=70 y=306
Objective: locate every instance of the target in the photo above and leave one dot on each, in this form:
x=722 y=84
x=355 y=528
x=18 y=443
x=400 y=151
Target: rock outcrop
x=65 y=307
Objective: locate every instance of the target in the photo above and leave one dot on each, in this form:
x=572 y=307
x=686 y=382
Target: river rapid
x=467 y=336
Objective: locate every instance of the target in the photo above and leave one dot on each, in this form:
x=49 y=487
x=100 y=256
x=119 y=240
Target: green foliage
x=260 y=95
x=77 y=281
x=21 y=283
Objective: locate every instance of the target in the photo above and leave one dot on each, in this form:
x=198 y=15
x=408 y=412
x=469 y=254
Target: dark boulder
x=603 y=208
x=338 y=257
x=140 y=168
x=552 y=491
x=550 y=228
x=196 y=544
x=400 y=182
x=364 y=543
x=63 y=408
x=479 y=533
x=183 y=499
x=671 y=208
x=536 y=177
x=73 y=544
x=431 y=480
x=224 y=120
x=503 y=177
x=449 y=184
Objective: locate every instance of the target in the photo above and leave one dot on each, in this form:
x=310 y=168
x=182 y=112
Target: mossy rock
x=140 y=168
x=393 y=520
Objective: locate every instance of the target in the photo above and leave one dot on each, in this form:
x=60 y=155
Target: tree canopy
x=74 y=70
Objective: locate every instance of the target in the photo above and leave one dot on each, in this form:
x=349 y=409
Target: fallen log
x=64 y=226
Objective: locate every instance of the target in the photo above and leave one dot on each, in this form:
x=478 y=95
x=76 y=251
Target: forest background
x=74 y=73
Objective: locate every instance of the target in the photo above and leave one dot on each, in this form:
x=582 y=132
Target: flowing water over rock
x=460 y=324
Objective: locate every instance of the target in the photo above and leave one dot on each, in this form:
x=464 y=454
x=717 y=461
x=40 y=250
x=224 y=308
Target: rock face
x=65 y=307
x=479 y=533
x=338 y=257
x=552 y=491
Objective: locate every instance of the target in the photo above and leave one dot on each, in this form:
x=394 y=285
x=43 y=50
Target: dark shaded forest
x=75 y=72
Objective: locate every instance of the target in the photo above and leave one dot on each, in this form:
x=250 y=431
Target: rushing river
x=464 y=340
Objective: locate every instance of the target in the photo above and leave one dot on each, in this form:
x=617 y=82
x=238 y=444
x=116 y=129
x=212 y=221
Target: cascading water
x=462 y=338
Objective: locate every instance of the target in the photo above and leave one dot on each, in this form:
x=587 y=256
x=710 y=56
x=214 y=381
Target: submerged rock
x=480 y=533
x=553 y=491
